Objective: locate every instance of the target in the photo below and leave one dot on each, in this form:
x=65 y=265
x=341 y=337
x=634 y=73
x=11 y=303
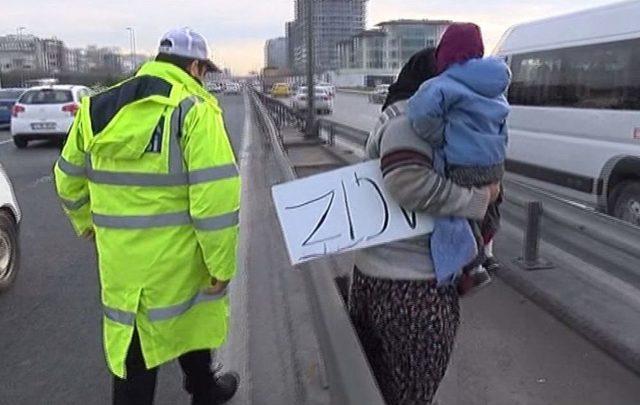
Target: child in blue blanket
x=462 y=113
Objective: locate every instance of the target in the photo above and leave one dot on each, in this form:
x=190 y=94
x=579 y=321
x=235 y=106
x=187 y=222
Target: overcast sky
x=237 y=29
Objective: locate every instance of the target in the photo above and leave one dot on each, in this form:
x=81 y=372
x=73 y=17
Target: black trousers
x=140 y=385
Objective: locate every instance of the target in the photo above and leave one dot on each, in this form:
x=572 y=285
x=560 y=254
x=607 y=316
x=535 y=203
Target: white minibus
x=575 y=124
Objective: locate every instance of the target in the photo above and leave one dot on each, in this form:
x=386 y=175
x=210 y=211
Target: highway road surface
x=509 y=351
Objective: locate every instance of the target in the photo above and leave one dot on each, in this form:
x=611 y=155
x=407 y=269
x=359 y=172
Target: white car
x=380 y=94
x=10 y=217
x=330 y=88
x=323 y=100
x=232 y=88
x=45 y=113
x=575 y=122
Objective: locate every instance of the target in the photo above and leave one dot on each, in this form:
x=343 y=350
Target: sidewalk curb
x=571 y=299
x=347 y=370
x=625 y=354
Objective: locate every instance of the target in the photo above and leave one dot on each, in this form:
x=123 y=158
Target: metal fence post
x=332 y=136
x=531 y=259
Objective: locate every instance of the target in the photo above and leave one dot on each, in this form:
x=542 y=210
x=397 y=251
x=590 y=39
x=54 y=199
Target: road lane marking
x=40 y=180
x=6 y=141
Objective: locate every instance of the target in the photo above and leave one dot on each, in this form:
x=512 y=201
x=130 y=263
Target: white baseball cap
x=187 y=43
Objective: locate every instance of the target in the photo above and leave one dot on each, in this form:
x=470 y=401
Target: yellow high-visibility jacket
x=149 y=167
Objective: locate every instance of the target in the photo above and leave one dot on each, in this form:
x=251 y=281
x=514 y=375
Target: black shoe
x=226 y=386
x=492 y=265
x=481 y=277
x=473 y=280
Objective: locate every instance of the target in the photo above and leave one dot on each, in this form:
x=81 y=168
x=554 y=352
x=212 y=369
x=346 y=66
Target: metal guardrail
x=605 y=240
x=350 y=379
x=605 y=229
x=281 y=113
x=329 y=130
x=360 y=92
x=284 y=115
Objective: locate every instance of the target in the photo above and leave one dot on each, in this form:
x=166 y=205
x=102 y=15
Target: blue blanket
x=453 y=244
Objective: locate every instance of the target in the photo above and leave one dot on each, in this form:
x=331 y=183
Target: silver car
x=10 y=217
x=323 y=100
x=379 y=94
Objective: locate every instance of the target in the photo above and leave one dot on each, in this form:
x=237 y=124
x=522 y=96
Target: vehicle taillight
x=17 y=109
x=71 y=108
x=326 y=98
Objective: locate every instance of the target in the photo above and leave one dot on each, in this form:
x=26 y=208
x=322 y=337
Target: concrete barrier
x=350 y=379
x=355 y=91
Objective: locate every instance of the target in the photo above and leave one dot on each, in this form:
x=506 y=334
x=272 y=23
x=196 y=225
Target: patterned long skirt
x=407 y=329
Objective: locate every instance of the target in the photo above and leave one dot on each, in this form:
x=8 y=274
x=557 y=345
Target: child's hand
x=494 y=191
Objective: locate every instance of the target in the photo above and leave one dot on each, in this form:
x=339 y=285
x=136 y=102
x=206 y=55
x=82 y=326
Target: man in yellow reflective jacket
x=149 y=172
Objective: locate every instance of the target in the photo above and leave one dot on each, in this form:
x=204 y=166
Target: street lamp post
x=311 y=109
x=132 y=44
x=19 y=31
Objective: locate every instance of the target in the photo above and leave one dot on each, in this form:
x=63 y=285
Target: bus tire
x=626 y=204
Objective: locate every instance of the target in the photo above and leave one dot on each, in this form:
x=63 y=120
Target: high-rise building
x=291 y=44
x=276 y=53
x=334 y=21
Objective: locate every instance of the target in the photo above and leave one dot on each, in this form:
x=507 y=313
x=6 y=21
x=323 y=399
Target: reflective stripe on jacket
x=149 y=167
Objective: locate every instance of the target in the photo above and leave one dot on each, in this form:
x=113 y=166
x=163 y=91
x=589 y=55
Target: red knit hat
x=459 y=43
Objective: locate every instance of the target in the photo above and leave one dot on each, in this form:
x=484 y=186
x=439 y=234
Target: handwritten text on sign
x=342 y=210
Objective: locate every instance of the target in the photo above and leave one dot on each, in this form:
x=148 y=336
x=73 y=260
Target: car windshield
x=46 y=96
x=10 y=94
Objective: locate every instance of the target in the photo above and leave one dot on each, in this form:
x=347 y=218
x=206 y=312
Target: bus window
x=601 y=76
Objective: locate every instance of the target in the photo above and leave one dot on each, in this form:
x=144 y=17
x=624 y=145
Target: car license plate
x=43 y=125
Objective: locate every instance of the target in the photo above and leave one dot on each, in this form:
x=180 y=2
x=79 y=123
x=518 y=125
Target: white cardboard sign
x=342 y=210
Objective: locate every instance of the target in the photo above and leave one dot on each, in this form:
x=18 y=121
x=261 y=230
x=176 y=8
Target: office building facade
x=28 y=53
x=20 y=52
x=403 y=38
x=376 y=56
